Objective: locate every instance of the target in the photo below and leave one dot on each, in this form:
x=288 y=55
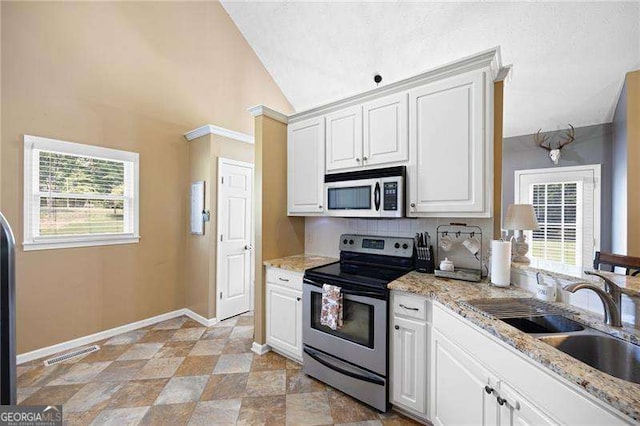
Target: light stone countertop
x=619 y=394
x=299 y=262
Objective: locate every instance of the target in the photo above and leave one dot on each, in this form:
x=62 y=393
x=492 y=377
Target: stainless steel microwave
x=367 y=193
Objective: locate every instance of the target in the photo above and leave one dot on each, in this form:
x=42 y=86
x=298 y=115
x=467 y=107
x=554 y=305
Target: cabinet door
x=344 y=139
x=408 y=370
x=386 y=136
x=517 y=411
x=447 y=147
x=284 y=319
x=458 y=395
x=305 y=166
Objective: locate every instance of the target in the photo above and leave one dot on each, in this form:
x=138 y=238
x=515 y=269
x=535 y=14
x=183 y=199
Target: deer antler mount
x=554 y=152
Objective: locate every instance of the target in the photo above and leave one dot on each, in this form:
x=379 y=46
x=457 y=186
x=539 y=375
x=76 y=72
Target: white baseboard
x=85 y=340
x=260 y=349
x=199 y=318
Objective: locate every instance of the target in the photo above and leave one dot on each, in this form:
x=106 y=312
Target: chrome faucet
x=611 y=297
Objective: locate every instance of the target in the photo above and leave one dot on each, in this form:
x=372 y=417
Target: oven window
x=351 y=198
x=357 y=320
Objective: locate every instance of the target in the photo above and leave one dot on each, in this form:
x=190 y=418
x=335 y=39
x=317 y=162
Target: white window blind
x=79 y=195
x=567 y=205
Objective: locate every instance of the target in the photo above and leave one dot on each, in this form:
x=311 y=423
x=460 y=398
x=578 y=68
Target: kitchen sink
x=544 y=324
x=607 y=354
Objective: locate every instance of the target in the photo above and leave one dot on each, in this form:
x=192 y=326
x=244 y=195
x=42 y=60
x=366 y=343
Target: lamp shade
x=520 y=217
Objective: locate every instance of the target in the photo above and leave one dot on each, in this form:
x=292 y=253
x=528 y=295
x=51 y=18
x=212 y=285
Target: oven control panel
x=369 y=244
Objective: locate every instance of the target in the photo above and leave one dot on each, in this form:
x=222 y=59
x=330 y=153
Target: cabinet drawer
x=410 y=306
x=285 y=278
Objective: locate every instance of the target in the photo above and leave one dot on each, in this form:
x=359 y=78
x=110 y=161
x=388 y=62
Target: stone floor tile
x=225 y=386
x=120 y=416
x=168 y=415
x=231 y=322
x=81 y=418
x=191 y=323
x=159 y=368
x=93 y=396
x=363 y=423
x=308 y=409
x=298 y=382
x=126 y=338
x=106 y=353
x=80 y=373
x=245 y=320
x=220 y=412
x=238 y=346
x=182 y=389
x=186 y=334
x=137 y=393
x=40 y=375
x=197 y=365
x=171 y=324
x=217 y=333
x=157 y=336
x=242 y=332
x=400 y=421
x=293 y=365
x=207 y=347
x=24 y=393
x=265 y=383
x=140 y=351
x=268 y=361
x=119 y=371
x=175 y=350
x=345 y=409
x=266 y=410
x=52 y=395
x=234 y=363
x=21 y=369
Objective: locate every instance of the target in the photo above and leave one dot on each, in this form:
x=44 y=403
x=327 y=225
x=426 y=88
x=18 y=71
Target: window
x=78 y=195
x=567 y=205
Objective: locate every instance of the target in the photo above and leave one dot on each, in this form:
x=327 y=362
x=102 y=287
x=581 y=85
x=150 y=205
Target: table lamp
x=519 y=218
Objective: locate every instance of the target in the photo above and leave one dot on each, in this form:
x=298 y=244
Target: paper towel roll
x=501 y=263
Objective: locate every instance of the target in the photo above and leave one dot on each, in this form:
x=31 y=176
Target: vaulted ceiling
x=569 y=59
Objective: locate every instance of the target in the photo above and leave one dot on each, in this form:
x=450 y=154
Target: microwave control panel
x=390 y=196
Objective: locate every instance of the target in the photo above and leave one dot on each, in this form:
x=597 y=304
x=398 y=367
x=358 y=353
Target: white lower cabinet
x=284 y=313
x=461 y=389
x=517 y=411
x=409 y=349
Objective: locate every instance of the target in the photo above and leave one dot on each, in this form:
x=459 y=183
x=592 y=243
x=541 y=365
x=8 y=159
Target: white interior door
x=235 y=238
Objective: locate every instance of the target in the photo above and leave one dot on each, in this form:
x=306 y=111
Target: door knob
x=248 y=247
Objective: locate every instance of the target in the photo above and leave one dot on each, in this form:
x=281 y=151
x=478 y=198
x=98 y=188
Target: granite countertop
x=619 y=394
x=628 y=284
x=299 y=262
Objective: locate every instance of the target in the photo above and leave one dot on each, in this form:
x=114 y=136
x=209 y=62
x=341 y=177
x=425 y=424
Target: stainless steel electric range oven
x=354 y=358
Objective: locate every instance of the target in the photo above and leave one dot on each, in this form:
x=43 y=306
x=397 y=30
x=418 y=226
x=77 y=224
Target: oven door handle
x=362 y=293
x=366 y=378
x=376 y=196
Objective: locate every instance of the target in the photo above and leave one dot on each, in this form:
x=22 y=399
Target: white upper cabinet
x=450 y=150
x=305 y=159
x=344 y=139
x=385 y=138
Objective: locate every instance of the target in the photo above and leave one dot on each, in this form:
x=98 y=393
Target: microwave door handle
x=376 y=196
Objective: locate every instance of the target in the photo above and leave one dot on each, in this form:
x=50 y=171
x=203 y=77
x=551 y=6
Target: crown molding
x=489 y=59
x=268 y=112
x=504 y=73
x=210 y=129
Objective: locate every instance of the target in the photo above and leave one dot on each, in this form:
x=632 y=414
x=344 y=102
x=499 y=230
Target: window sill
x=77 y=242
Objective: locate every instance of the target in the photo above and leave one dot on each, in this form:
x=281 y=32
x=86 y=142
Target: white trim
x=131 y=162
x=199 y=318
x=504 y=73
x=92 y=338
x=488 y=59
x=268 y=112
x=221 y=161
x=260 y=349
x=210 y=129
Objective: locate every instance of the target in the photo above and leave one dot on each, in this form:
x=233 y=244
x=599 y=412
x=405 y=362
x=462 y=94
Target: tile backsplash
x=322 y=234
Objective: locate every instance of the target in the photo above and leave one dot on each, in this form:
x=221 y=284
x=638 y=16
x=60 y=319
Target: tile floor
x=179 y=372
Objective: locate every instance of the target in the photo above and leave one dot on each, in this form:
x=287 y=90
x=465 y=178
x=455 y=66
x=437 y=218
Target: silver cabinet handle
x=407 y=307
x=283 y=279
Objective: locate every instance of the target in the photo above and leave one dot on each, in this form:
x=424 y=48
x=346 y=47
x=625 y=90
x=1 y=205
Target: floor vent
x=70 y=355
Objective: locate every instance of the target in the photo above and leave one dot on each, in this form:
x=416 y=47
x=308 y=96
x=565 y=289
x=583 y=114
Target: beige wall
x=200 y=283
x=132 y=76
x=277 y=235
x=633 y=162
